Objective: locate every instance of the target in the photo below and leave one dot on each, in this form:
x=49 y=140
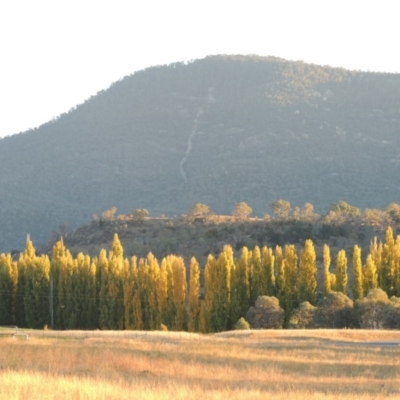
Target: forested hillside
x=219 y=130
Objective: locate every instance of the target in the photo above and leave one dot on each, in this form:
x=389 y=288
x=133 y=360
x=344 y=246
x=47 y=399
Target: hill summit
x=218 y=131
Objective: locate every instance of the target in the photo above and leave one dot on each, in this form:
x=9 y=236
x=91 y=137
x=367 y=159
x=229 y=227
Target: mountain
x=218 y=131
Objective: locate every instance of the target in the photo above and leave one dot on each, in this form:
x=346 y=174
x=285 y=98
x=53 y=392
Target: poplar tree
x=162 y=293
x=153 y=276
x=203 y=318
x=138 y=301
x=268 y=266
x=8 y=289
x=257 y=276
x=341 y=272
x=60 y=261
x=280 y=279
x=397 y=266
x=291 y=279
x=307 y=284
x=130 y=288
x=241 y=284
x=170 y=310
x=194 y=296
x=207 y=313
x=327 y=274
x=222 y=304
x=36 y=291
x=370 y=279
x=357 y=272
x=376 y=254
x=235 y=295
x=179 y=293
x=387 y=269
x=115 y=292
x=103 y=276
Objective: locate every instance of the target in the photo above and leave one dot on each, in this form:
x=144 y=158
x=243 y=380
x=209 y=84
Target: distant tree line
x=111 y=291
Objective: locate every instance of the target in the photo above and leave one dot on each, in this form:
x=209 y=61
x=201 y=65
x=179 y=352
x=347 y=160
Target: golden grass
x=323 y=364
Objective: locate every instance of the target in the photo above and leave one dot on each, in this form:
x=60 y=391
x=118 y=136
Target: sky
x=55 y=54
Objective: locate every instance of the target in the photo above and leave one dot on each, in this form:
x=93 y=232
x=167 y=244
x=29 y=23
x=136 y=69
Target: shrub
x=266 y=313
x=371 y=310
x=242 y=324
x=163 y=327
x=302 y=317
x=334 y=311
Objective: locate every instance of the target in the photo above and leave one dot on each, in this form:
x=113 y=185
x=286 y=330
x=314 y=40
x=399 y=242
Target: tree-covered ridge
x=219 y=130
x=111 y=291
x=201 y=232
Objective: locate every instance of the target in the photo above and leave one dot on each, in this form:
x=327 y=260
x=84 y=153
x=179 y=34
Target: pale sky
x=55 y=54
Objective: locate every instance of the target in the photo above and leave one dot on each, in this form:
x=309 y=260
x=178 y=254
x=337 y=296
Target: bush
x=372 y=310
x=302 y=317
x=242 y=324
x=334 y=311
x=163 y=327
x=266 y=314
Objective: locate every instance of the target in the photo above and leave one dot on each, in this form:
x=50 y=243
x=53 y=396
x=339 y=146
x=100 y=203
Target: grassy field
x=321 y=364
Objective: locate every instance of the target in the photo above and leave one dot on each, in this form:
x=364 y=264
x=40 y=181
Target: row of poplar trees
x=114 y=292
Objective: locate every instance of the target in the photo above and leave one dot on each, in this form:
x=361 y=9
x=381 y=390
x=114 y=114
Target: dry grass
x=323 y=364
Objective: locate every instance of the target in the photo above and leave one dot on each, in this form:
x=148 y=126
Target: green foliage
x=327 y=274
x=357 y=272
x=345 y=208
x=199 y=210
x=371 y=310
x=109 y=214
x=302 y=317
x=139 y=214
x=8 y=289
x=291 y=279
x=194 y=296
x=281 y=209
x=242 y=210
x=341 y=272
x=266 y=314
x=335 y=310
x=307 y=283
x=36 y=287
x=242 y=324
x=113 y=292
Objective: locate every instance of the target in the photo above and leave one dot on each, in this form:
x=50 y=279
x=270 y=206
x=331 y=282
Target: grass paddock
x=297 y=364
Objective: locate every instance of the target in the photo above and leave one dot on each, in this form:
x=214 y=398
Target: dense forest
x=218 y=131
x=260 y=287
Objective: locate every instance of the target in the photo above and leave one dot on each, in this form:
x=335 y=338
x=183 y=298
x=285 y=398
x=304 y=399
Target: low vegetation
x=302 y=365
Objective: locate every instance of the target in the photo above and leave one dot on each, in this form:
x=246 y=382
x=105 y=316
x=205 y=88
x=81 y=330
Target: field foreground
x=320 y=364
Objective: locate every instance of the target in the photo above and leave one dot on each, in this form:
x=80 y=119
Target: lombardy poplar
x=179 y=294
x=307 y=284
x=218 y=280
x=36 y=293
x=387 y=269
x=357 y=272
x=280 y=279
x=268 y=266
x=194 y=296
x=242 y=281
x=370 y=275
x=8 y=288
x=327 y=274
x=291 y=278
x=341 y=272
x=257 y=281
